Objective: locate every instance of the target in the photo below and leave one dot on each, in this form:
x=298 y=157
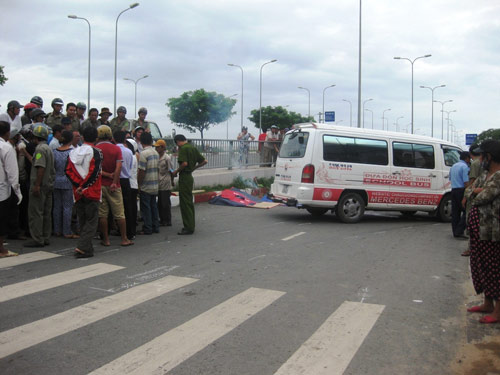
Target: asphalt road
x=253 y=292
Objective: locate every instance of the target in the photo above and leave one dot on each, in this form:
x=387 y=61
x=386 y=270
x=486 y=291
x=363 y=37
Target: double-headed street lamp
x=309 y=100
x=369 y=110
x=448 y=124
x=237 y=66
x=432 y=106
x=412 y=62
x=116 y=46
x=72 y=16
x=383 y=117
x=442 y=115
x=324 y=100
x=260 y=101
x=367 y=100
x=350 y=109
x=135 y=83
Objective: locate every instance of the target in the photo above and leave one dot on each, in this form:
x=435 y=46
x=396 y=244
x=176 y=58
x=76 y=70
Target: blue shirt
x=459 y=174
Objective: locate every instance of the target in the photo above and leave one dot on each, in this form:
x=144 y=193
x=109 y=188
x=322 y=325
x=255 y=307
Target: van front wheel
x=444 y=209
x=350 y=208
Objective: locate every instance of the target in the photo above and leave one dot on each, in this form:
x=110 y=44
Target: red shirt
x=262 y=138
x=110 y=155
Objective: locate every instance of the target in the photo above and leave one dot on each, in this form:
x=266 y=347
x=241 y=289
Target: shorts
x=111 y=200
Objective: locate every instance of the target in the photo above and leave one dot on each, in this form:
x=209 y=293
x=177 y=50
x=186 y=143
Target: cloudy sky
x=185 y=45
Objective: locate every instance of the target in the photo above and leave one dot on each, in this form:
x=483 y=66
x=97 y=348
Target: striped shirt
x=148 y=162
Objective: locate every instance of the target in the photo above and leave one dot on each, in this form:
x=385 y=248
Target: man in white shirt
x=9 y=180
x=12 y=115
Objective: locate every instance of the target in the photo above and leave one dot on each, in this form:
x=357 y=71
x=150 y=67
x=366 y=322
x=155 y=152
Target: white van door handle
x=432 y=175
x=396 y=172
x=447 y=176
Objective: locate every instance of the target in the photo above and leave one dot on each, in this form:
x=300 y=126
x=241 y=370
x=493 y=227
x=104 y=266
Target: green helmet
x=81 y=105
x=104 y=132
x=41 y=131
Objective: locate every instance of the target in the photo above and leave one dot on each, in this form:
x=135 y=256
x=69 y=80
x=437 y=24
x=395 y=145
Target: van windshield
x=294 y=145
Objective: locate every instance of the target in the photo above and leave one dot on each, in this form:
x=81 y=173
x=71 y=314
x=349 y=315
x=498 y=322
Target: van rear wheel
x=351 y=208
x=317 y=211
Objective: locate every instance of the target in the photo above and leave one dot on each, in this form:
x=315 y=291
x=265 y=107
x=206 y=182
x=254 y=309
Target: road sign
x=470 y=138
x=330 y=116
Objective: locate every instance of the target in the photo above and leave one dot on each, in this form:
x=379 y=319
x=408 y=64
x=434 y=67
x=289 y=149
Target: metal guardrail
x=228 y=153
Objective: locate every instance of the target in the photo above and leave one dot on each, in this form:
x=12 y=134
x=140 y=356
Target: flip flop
x=130 y=243
x=488 y=319
x=476 y=309
x=105 y=244
x=9 y=254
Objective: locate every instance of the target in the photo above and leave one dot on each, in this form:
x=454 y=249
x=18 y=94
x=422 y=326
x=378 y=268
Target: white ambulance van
x=349 y=170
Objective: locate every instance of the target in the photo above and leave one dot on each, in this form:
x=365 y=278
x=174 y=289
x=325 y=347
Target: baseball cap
x=160 y=142
x=14 y=104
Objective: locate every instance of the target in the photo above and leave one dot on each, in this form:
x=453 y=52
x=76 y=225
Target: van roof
x=368 y=132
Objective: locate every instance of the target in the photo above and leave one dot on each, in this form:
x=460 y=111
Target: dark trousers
x=164 y=206
x=40 y=215
x=127 y=206
x=88 y=217
x=149 y=212
x=186 y=204
x=13 y=218
x=133 y=206
x=457 y=212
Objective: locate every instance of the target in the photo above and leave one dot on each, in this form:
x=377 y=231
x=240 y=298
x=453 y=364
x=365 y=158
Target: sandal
x=8 y=254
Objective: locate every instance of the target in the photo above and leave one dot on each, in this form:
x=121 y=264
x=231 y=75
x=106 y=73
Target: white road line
x=331 y=348
x=258 y=256
x=293 y=236
x=26 y=258
x=30 y=334
x=226 y=231
x=52 y=281
x=165 y=352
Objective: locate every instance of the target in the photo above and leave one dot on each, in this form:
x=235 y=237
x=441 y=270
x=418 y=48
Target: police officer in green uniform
x=120 y=122
x=189 y=159
x=41 y=185
x=55 y=117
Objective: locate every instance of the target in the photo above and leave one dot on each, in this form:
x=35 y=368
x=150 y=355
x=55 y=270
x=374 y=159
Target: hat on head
x=57 y=101
x=37 y=112
x=81 y=105
x=142 y=110
x=105 y=110
x=138 y=128
x=133 y=143
x=30 y=106
x=160 y=142
x=37 y=100
x=121 y=109
x=490 y=146
x=274 y=127
x=14 y=104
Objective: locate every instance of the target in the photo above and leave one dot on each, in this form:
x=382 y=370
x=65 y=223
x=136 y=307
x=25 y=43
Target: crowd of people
x=82 y=178
x=475 y=193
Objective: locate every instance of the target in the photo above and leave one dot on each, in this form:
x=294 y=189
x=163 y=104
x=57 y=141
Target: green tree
x=278 y=116
x=488 y=134
x=198 y=110
x=3 y=79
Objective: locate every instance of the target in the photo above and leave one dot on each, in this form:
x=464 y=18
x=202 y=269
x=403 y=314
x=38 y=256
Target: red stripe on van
x=391 y=197
x=321 y=194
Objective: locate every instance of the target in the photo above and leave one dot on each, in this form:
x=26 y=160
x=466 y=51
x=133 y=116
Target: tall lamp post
x=397 y=122
x=72 y=16
x=383 y=117
x=260 y=100
x=369 y=110
x=448 y=123
x=442 y=115
x=135 y=83
x=227 y=124
x=309 y=100
x=412 y=62
x=350 y=109
x=367 y=100
x=237 y=66
x=116 y=46
x=324 y=100
x=432 y=106
x=359 y=70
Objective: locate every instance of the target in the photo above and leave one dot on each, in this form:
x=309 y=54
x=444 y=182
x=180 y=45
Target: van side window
x=451 y=156
x=413 y=155
x=355 y=150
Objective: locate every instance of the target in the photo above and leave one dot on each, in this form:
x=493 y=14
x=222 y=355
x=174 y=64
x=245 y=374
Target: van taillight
x=308 y=174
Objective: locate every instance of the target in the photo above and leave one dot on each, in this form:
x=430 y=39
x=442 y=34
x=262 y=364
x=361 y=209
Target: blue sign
x=330 y=116
x=470 y=138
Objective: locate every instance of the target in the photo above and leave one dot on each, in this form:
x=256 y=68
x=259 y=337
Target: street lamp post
x=448 y=123
x=442 y=115
x=359 y=70
x=367 y=100
x=369 y=110
x=324 y=100
x=227 y=124
x=383 y=117
x=135 y=96
x=412 y=62
x=88 y=75
x=260 y=100
x=237 y=66
x=350 y=109
x=397 y=122
x=309 y=100
x=116 y=46
x=432 y=105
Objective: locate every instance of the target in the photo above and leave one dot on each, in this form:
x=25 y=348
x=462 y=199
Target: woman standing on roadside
x=484 y=230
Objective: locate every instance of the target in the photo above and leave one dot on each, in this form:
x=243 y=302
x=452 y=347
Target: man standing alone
x=189 y=159
x=459 y=177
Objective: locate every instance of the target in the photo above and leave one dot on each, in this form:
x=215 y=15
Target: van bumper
x=291 y=202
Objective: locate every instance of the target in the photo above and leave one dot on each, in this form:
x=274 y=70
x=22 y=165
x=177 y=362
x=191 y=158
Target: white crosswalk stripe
x=48 y=282
x=331 y=348
x=30 y=334
x=26 y=258
x=173 y=347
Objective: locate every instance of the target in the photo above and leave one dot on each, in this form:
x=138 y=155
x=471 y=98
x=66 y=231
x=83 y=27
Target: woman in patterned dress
x=484 y=230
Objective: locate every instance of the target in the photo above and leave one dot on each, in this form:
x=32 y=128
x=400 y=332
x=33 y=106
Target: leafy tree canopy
x=278 y=116
x=3 y=79
x=198 y=110
x=488 y=134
